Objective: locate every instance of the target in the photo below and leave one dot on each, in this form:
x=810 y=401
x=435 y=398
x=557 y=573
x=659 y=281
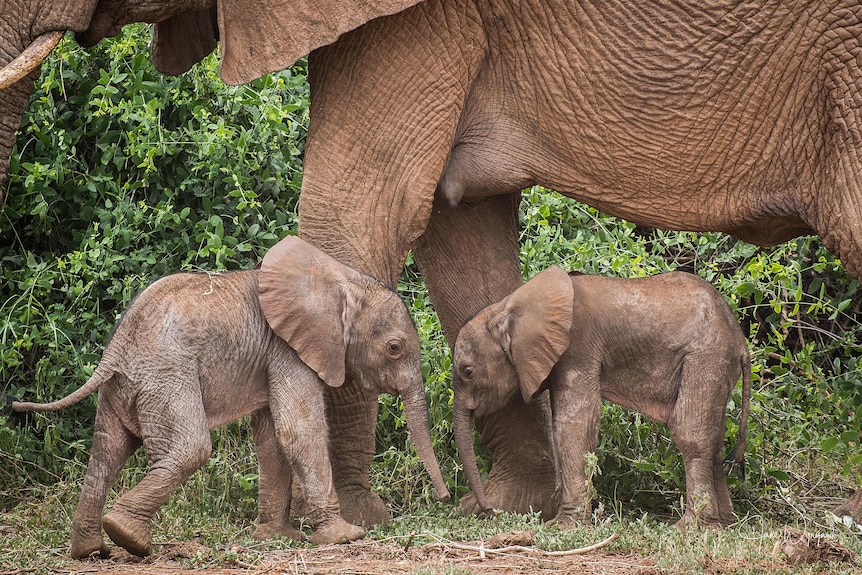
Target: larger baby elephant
x=667 y=346
x=196 y=351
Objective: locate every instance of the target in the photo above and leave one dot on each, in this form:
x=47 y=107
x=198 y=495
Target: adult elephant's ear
x=301 y=294
x=533 y=326
x=259 y=36
x=183 y=40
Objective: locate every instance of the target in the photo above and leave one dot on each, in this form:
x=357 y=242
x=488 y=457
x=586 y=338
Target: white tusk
x=29 y=59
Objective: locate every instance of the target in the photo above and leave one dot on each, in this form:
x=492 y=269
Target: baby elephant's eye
x=467 y=372
x=393 y=348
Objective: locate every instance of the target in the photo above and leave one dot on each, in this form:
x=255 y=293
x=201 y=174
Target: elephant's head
x=257 y=37
x=343 y=323
x=508 y=347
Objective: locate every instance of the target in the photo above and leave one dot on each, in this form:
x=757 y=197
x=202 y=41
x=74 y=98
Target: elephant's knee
x=195 y=454
x=202 y=453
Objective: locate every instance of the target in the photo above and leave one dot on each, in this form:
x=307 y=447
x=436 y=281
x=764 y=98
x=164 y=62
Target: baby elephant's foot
x=83 y=547
x=129 y=532
x=336 y=531
x=273 y=528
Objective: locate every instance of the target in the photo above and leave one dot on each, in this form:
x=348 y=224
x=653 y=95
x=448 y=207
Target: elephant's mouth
x=30 y=59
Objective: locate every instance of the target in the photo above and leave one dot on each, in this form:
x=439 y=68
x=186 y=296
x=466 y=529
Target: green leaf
x=829 y=444
x=849 y=436
x=778 y=474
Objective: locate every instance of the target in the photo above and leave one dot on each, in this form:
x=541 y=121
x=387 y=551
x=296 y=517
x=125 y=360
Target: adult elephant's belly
x=717 y=129
x=766 y=226
x=753 y=194
x=756 y=187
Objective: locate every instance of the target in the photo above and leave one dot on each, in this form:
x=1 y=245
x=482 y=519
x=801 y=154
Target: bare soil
x=370 y=557
x=505 y=553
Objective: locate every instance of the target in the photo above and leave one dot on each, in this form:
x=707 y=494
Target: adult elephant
x=738 y=116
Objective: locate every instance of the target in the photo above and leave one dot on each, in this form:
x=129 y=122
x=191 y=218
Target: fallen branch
x=482 y=550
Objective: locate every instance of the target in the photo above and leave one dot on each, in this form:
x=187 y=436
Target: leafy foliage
x=122 y=175
x=798 y=308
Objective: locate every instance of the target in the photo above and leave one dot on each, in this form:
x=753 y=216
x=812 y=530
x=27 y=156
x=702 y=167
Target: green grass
x=36 y=535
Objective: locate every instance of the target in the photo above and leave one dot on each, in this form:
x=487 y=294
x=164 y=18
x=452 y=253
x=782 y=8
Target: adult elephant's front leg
x=352 y=420
x=469 y=257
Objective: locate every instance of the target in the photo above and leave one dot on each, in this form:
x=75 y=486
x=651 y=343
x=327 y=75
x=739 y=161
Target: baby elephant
x=196 y=351
x=667 y=346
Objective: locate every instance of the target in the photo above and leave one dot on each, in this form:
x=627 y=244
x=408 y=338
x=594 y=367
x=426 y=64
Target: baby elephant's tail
x=100 y=376
x=739 y=452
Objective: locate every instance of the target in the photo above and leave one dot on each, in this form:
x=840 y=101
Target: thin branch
x=482 y=550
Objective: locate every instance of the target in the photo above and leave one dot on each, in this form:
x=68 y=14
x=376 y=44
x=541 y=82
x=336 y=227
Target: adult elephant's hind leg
x=469 y=258
x=838 y=220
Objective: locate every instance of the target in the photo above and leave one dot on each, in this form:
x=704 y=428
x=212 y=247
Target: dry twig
x=482 y=550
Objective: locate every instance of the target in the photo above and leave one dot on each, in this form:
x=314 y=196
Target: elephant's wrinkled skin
x=738 y=116
x=667 y=346
x=196 y=351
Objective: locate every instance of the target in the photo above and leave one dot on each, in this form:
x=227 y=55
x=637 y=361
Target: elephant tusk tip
x=30 y=58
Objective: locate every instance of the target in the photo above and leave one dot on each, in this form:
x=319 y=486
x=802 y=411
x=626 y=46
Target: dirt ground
x=369 y=557
x=505 y=553
x=375 y=557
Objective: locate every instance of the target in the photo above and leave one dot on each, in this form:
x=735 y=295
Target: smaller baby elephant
x=667 y=346
x=196 y=351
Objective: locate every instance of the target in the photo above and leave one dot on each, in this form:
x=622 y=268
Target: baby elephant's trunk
x=462 y=426
x=416 y=413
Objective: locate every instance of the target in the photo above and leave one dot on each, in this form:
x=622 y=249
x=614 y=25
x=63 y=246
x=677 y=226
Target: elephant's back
x=679 y=305
x=193 y=314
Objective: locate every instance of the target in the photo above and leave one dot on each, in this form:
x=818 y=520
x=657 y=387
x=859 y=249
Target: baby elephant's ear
x=299 y=289
x=534 y=324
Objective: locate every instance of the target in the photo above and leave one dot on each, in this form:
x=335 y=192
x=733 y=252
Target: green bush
x=122 y=175
x=798 y=309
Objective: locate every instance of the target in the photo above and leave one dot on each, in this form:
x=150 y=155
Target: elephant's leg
x=726 y=515
x=839 y=224
x=352 y=419
x=369 y=175
x=577 y=407
x=112 y=446
x=852 y=507
x=701 y=498
x=177 y=440
x=275 y=477
x=298 y=413
x=696 y=424
x=469 y=257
